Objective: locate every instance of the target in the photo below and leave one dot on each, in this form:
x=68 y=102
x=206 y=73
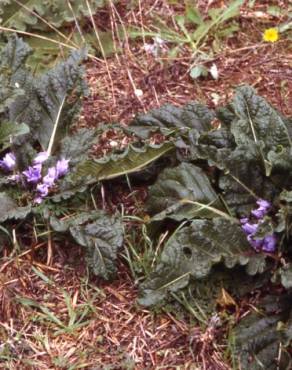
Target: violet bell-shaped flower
x=50 y=177
x=43 y=189
x=53 y=174
x=269 y=243
x=8 y=162
x=249 y=228
x=33 y=174
x=262 y=210
x=62 y=167
x=255 y=243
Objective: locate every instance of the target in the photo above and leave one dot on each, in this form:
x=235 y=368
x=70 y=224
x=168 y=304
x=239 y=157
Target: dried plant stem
x=102 y=51
x=6 y=29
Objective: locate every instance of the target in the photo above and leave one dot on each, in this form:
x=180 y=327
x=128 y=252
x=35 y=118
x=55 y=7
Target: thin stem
x=6 y=29
x=49 y=150
x=102 y=51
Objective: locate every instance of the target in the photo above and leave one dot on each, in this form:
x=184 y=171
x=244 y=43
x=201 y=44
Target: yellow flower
x=271 y=35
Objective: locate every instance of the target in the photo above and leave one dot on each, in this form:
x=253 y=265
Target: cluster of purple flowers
x=266 y=244
x=8 y=162
x=33 y=174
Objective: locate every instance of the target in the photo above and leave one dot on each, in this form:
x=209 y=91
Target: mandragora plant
x=228 y=198
x=224 y=195
x=45 y=169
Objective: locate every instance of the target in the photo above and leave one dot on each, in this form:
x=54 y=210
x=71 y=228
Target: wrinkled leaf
x=13 y=55
x=203 y=295
x=242 y=177
x=131 y=160
x=286 y=276
x=183 y=192
x=170 y=118
x=102 y=238
x=256 y=120
x=193 y=251
x=40 y=103
x=76 y=146
x=9 y=130
x=258 y=337
x=244 y=181
x=10 y=210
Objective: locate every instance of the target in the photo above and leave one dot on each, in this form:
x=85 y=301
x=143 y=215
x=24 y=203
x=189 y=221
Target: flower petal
x=41 y=158
x=8 y=162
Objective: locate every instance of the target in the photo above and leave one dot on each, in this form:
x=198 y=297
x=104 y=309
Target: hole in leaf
x=187 y=252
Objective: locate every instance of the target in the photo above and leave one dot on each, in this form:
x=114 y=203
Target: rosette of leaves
x=223 y=171
x=36 y=113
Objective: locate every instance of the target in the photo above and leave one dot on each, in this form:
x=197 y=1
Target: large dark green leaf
x=75 y=147
x=257 y=121
x=9 y=130
x=10 y=210
x=183 y=192
x=281 y=162
x=242 y=176
x=169 y=118
x=260 y=338
x=204 y=295
x=219 y=138
x=193 y=251
x=286 y=276
x=102 y=238
x=100 y=233
x=131 y=160
x=13 y=57
x=243 y=180
x=43 y=95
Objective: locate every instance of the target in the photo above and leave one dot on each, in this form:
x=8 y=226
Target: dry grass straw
x=114 y=330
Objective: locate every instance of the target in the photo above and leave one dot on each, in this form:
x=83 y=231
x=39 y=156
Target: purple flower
x=266 y=244
x=41 y=158
x=62 y=167
x=258 y=213
x=255 y=243
x=38 y=200
x=33 y=174
x=262 y=210
x=43 y=189
x=50 y=177
x=269 y=243
x=249 y=228
x=263 y=204
x=8 y=162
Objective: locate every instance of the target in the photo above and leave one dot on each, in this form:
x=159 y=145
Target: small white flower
x=113 y=143
x=214 y=72
x=138 y=93
x=17 y=85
